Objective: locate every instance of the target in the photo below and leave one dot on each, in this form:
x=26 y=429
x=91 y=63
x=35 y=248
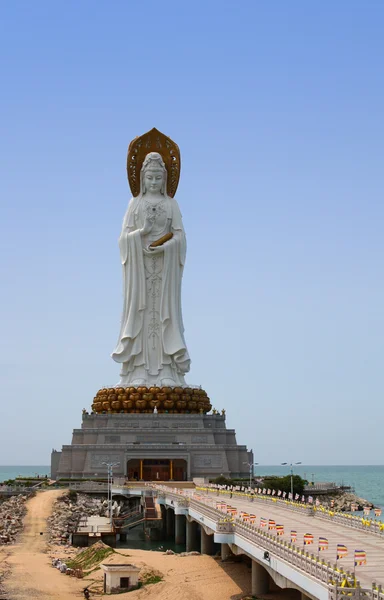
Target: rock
x=342 y=501
x=12 y=513
x=67 y=514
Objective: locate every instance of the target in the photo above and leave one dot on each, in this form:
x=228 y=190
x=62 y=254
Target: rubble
x=12 y=512
x=341 y=502
x=71 y=507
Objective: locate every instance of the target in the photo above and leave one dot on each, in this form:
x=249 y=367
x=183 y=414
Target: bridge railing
x=366 y=525
x=308 y=563
x=337 y=592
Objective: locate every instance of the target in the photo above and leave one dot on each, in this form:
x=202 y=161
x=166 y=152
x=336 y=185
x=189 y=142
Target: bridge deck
x=354 y=539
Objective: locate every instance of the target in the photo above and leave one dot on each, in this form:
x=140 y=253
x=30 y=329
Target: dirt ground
x=31 y=575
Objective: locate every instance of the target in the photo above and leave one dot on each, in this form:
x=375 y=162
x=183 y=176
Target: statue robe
x=142 y=322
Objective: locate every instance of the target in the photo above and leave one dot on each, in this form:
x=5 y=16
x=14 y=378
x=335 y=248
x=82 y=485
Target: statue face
x=153 y=180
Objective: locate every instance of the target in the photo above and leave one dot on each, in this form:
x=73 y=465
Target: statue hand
x=148 y=224
x=151 y=251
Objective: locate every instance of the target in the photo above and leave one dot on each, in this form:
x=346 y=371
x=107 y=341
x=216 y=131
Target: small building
x=120 y=577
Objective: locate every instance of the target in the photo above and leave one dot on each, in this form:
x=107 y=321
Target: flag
x=297 y=496
x=308 y=539
x=323 y=544
x=341 y=551
x=273 y=492
x=302 y=498
x=354 y=507
x=360 y=558
x=332 y=503
x=271 y=524
x=377 y=512
x=264 y=490
x=293 y=535
x=252 y=518
x=367 y=510
x=284 y=494
x=280 y=529
x=268 y=491
x=259 y=490
x=310 y=499
x=317 y=502
x=279 y=493
x=290 y=496
x=263 y=522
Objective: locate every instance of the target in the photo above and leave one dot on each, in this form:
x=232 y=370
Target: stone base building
x=150 y=447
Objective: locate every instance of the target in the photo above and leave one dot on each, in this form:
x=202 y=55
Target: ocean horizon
x=367 y=481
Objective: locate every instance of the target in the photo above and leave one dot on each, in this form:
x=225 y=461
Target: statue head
x=153 y=175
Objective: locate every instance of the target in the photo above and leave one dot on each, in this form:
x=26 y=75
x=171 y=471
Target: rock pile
x=12 y=512
x=70 y=508
x=343 y=500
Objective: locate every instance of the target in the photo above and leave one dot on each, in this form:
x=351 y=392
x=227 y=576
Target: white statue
x=151 y=345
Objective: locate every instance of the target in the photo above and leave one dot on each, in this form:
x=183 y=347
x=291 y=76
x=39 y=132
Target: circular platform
x=143 y=399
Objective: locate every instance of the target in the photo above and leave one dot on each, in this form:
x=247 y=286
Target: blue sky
x=278 y=110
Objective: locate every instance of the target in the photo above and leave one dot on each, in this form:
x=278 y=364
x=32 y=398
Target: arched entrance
x=157 y=469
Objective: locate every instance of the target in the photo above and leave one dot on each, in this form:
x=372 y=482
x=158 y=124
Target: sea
x=367 y=481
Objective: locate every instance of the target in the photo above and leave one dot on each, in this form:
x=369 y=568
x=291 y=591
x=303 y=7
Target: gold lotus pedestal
x=142 y=399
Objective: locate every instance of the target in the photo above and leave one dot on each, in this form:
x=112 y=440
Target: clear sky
x=277 y=107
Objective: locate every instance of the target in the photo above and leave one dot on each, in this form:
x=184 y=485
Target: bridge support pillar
x=192 y=540
x=155 y=534
x=170 y=522
x=304 y=596
x=180 y=529
x=226 y=552
x=260 y=579
x=206 y=542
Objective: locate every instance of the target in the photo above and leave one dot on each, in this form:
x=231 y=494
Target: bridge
x=204 y=519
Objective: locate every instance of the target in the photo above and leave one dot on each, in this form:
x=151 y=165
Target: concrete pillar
x=192 y=540
x=304 y=596
x=226 y=552
x=180 y=529
x=170 y=522
x=206 y=542
x=154 y=534
x=260 y=579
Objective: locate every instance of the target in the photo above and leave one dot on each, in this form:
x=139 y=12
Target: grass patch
x=151 y=579
x=91 y=557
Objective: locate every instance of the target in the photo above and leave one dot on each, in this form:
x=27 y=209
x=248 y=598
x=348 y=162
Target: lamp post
x=291 y=465
x=250 y=465
x=109 y=491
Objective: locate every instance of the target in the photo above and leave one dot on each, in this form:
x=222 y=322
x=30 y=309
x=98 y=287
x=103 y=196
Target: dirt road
x=31 y=575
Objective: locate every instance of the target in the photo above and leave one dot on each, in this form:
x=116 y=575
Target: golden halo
x=153 y=141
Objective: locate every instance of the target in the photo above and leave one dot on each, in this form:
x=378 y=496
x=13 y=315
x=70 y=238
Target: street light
x=109 y=491
x=291 y=465
x=250 y=465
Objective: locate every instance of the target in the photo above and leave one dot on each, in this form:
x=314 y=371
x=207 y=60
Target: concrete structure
x=152 y=447
x=120 y=577
x=94 y=529
x=275 y=561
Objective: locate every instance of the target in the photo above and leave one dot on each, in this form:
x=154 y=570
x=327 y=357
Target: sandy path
x=185 y=578
x=31 y=573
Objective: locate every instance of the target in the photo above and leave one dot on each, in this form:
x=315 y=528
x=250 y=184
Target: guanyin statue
x=151 y=346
